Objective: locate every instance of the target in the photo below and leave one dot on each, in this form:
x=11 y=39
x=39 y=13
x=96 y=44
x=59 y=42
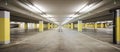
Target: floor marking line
x=102 y=42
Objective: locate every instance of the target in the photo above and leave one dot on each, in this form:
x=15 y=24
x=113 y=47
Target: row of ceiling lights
x=49 y=17
x=84 y=9
x=35 y=8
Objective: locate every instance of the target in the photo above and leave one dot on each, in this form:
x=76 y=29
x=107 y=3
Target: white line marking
x=102 y=42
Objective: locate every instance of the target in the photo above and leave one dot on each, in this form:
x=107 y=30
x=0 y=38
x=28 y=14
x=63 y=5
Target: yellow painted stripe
x=19 y=25
x=41 y=27
x=80 y=27
x=25 y=26
x=48 y=25
x=118 y=29
x=71 y=25
x=105 y=25
x=102 y=25
x=4 y=29
x=95 y=25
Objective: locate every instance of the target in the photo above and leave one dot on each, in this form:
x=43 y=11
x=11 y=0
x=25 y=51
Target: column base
x=118 y=42
x=5 y=42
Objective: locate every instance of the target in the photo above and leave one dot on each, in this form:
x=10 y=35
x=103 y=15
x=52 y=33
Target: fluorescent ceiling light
x=49 y=15
x=12 y=22
x=81 y=7
x=39 y=7
x=75 y=16
x=27 y=7
x=34 y=8
x=44 y=16
x=86 y=9
x=109 y=21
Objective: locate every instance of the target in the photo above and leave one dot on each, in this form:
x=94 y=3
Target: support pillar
x=19 y=25
x=67 y=25
x=71 y=25
x=116 y=27
x=105 y=25
x=41 y=26
x=80 y=26
x=54 y=26
x=95 y=25
x=86 y=25
x=4 y=27
x=48 y=25
x=102 y=25
x=26 y=26
x=51 y=25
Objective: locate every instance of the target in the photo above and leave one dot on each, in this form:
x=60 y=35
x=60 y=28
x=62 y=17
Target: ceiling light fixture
x=83 y=10
x=86 y=9
x=34 y=8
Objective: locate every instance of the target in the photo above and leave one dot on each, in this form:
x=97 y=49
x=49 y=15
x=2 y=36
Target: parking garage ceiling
x=55 y=11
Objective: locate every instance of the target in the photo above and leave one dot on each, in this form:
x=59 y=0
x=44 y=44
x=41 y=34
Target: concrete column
x=71 y=25
x=95 y=25
x=105 y=25
x=117 y=26
x=86 y=25
x=51 y=25
x=26 y=26
x=80 y=26
x=41 y=26
x=19 y=25
x=67 y=25
x=35 y=25
x=116 y=31
x=4 y=27
x=55 y=26
x=48 y=25
x=102 y=25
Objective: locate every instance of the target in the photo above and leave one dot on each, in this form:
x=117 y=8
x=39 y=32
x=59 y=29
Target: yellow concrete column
x=67 y=25
x=105 y=25
x=55 y=26
x=26 y=26
x=95 y=26
x=19 y=25
x=41 y=26
x=118 y=26
x=4 y=27
x=71 y=25
x=51 y=25
x=101 y=25
x=80 y=26
x=48 y=25
x=86 y=25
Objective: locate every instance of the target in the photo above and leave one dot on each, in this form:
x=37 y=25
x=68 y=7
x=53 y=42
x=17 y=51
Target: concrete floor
x=54 y=41
x=102 y=35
